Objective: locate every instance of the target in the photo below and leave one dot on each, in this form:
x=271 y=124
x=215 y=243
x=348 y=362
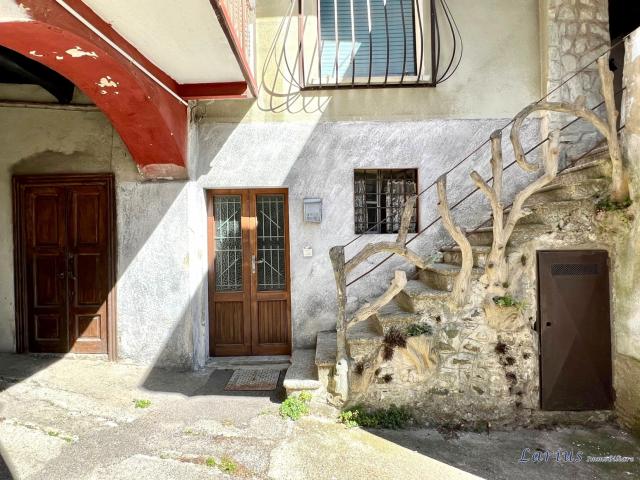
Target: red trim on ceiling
x=106 y=29
x=150 y=121
x=204 y=91
x=207 y=90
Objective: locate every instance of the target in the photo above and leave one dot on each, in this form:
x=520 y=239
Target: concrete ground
x=76 y=419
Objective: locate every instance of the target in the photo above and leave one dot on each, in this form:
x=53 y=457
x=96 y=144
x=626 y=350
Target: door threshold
x=103 y=357
x=249 y=362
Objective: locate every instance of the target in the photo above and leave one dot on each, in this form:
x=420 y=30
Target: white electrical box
x=313 y=210
x=307 y=251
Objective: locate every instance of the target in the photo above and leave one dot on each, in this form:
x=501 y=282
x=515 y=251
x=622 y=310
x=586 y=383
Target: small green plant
x=227 y=465
x=210 y=462
x=142 y=403
x=608 y=205
x=53 y=433
x=393 y=417
x=295 y=406
x=349 y=418
x=417 y=329
x=509 y=301
x=188 y=431
x=305 y=396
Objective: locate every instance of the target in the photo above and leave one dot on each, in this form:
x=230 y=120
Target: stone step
x=326 y=349
x=326 y=352
x=453 y=255
x=302 y=375
x=590 y=188
x=440 y=276
x=418 y=297
x=521 y=233
x=548 y=213
x=364 y=338
x=395 y=315
x=598 y=168
x=551 y=213
x=601 y=153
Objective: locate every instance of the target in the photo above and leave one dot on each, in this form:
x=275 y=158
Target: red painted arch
x=151 y=122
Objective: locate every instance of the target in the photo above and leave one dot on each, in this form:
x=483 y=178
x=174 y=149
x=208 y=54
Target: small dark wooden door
x=63 y=243
x=249 y=299
x=575 y=331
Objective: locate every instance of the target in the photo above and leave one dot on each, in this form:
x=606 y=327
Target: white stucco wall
x=318 y=161
x=312 y=141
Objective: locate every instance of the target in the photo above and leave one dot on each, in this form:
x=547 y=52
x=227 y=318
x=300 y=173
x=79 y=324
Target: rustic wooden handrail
x=460 y=291
x=342 y=268
x=496 y=266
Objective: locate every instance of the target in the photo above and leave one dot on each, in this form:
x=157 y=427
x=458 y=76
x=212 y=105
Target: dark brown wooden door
x=64 y=254
x=46 y=235
x=249 y=308
x=575 y=331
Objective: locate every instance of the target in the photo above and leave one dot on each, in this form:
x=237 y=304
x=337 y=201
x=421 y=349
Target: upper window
x=369 y=43
x=367 y=39
x=379 y=197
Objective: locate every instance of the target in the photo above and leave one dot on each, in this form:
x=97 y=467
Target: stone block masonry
x=577 y=31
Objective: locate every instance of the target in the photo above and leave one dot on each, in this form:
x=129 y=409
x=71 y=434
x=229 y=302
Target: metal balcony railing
x=376 y=43
x=241 y=16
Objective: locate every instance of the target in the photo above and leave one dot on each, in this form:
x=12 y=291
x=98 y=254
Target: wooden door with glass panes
x=249 y=288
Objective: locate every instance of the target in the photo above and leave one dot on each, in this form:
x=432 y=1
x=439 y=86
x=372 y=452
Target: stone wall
x=574 y=33
x=480 y=364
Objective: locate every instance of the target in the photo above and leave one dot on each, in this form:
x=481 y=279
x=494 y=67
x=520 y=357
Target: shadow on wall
x=5 y=472
x=141 y=275
x=318 y=160
x=280 y=89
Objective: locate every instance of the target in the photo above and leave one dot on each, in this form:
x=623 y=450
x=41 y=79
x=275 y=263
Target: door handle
x=254 y=262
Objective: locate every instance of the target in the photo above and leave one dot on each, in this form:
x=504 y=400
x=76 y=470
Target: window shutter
x=392 y=38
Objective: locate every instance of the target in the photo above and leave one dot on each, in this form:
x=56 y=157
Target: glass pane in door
x=271 y=242
x=228 y=261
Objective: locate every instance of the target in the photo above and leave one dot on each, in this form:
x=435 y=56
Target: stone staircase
x=428 y=292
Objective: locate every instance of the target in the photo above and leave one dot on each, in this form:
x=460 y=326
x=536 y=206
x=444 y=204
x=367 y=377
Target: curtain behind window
x=396 y=191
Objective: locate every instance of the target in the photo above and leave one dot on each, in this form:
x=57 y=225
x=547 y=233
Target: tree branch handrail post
x=340 y=270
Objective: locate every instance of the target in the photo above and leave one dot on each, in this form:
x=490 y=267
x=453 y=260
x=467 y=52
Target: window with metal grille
x=379 y=197
x=367 y=39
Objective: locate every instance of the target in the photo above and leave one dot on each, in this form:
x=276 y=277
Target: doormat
x=249 y=380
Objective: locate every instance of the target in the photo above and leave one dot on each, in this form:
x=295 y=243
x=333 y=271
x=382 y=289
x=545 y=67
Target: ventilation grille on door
x=574 y=269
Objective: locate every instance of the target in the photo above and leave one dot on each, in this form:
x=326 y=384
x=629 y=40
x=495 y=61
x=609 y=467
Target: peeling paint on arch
x=144 y=114
x=107 y=82
x=77 y=52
